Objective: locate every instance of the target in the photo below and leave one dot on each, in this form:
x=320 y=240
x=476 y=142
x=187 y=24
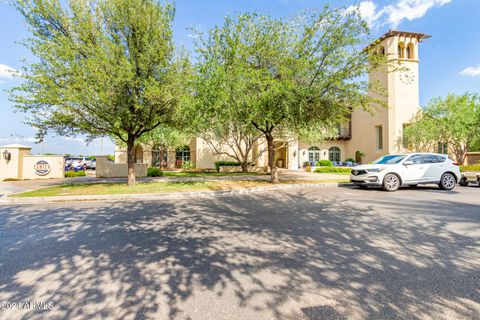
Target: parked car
x=76 y=163
x=469 y=177
x=396 y=170
x=92 y=164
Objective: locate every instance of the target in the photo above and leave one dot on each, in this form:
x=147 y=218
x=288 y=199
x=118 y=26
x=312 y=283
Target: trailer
x=469 y=177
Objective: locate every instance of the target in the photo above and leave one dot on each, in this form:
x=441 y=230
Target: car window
x=429 y=158
x=392 y=159
x=416 y=159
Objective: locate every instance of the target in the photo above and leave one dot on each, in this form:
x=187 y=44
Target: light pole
x=19 y=136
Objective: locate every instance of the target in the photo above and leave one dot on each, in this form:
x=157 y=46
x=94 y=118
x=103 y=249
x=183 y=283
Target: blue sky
x=450 y=60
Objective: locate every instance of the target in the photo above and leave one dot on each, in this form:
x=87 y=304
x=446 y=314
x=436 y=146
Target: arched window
x=410 y=51
x=182 y=154
x=334 y=154
x=313 y=154
x=159 y=156
x=401 y=54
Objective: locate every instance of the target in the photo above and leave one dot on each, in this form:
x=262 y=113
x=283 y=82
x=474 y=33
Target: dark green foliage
x=324 y=163
x=154 y=172
x=333 y=170
x=225 y=163
x=73 y=174
x=471 y=167
x=188 y=166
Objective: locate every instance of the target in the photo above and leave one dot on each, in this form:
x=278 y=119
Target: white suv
x=396 y=170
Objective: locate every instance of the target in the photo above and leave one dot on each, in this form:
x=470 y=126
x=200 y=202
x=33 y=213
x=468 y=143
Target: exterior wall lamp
x=7 y=155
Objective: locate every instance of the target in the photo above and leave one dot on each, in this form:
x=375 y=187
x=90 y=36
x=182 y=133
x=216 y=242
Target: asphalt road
x=334 y=253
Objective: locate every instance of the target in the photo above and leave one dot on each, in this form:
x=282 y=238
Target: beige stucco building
x=368 y=136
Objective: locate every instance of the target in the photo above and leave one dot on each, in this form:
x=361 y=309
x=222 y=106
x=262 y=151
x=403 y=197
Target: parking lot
x=331 y=253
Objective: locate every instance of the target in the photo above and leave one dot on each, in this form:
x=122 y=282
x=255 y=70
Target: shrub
x=324 y=163
x=471 y=167
x=73 y=174
x=349 y=160
x=224 y=163
x=188 y=166
x=154 y=172
x=333 y=170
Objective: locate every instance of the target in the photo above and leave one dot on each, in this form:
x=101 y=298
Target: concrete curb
x=164 y=196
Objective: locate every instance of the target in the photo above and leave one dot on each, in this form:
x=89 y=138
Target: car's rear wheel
x=391 y=182
x=463 y=182
x=447 y=182
x=478 y=182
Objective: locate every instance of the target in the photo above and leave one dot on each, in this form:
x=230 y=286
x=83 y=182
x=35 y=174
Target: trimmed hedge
x=223 y=163
x=154 y=172
x=73 y=174
x=324 y=163
x=471 y=167
x=333 y=170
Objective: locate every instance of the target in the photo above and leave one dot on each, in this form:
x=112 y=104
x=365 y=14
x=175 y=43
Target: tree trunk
x=271 y=159
x=131 y=160
x=244 y=165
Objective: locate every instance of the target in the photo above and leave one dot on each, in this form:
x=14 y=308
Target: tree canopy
x=453 y=121
x=103 y=68
x=284 y=77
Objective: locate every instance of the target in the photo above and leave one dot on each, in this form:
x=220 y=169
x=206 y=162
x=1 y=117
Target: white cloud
x=410 y=10
x=393 y=14
x=471 y=72
x=7 y=71
x=368 y=11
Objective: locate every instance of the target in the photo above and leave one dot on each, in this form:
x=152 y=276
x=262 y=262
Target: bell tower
x=381 y=133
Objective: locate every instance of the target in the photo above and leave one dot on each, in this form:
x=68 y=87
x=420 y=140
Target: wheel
x=463 y=182
x=447 y=181
x=391 y=182
x=478 y=182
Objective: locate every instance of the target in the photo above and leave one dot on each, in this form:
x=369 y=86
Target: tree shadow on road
x=285 y=255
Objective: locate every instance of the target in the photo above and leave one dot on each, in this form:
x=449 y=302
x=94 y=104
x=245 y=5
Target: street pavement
x=330 y=253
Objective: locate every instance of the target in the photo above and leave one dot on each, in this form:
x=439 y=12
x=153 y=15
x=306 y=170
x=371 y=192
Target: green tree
x=453 y=121
x=103 y=68
x=165 y=137
x=284 y=77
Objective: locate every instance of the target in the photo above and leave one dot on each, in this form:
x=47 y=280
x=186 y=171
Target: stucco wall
x=22 y=164
x=109 y=169
x=9 y=169
x=56 y=164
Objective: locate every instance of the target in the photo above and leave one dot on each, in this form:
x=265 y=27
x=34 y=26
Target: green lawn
x=209 y=174
x=151 y=187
